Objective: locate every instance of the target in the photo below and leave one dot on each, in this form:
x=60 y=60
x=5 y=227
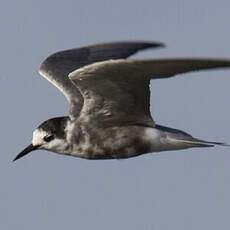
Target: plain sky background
x=181 y=190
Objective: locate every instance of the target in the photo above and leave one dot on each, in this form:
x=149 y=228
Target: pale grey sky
x=181 y=190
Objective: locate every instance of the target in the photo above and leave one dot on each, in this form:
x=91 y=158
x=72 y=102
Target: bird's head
x=50 y=135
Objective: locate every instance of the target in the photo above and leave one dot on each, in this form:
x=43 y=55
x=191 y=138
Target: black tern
x=109 y=98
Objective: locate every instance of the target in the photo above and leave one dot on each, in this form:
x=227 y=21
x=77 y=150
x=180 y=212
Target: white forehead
x=38 y=136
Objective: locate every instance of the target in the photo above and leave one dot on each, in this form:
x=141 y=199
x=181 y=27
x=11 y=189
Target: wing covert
x=116 y=92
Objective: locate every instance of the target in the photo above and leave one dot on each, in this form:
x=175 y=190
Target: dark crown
x=55 y=126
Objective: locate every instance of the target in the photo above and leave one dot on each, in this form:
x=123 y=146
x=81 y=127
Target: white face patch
x=55 y=145
x=38 y=136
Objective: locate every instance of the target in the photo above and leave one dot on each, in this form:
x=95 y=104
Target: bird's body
x=119 y=142
x=109 y=101
x=126 y=141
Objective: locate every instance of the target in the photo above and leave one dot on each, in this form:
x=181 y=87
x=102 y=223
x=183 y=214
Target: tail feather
x=202 y=143
x=185 y=140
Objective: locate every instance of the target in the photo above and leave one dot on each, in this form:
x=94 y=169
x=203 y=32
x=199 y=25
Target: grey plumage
x=116 y=92
x=109 y=101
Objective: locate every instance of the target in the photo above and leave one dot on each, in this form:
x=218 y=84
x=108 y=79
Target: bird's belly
x=119 y=143
x=126 y=142
x=111 y=152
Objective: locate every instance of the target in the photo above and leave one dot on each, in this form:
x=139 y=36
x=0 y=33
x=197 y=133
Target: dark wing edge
x=57 y=66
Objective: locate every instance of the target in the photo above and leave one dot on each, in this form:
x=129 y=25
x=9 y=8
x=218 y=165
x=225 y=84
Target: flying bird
x=109 y=102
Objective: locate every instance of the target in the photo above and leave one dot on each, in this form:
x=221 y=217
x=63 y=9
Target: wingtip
x=151 y=44
x=137 y=44
x=159 y=44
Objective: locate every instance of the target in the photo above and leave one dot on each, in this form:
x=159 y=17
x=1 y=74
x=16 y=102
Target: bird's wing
x=116 y=92
x=56 y=67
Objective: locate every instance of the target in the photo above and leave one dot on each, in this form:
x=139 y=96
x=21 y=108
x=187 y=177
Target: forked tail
x=183 y=139
x=202 y=143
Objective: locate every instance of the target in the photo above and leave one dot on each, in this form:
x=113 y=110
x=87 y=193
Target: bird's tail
x=201 y=143
x=184 y=140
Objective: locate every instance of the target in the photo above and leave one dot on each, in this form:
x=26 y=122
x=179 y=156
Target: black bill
x=26 y=151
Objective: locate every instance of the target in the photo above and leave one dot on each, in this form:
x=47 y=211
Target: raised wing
x=116 y=92
x=57 y=66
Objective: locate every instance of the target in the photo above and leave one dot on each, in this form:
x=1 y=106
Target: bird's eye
x=48 y=138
